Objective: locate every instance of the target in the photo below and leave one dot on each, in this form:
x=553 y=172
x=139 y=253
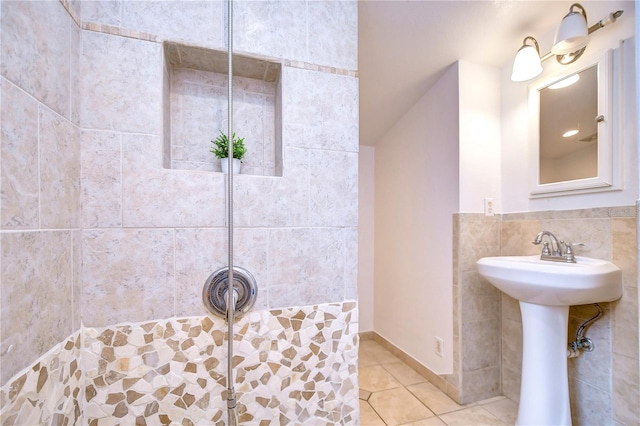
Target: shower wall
x=95 y=231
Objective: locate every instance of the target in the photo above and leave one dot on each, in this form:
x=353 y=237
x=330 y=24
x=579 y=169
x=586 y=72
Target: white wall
x=515 y=143
x=480 y=169
x=416 y=195
x=366 y=169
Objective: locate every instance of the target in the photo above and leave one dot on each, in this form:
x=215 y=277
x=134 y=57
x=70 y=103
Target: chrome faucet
x=555 y=251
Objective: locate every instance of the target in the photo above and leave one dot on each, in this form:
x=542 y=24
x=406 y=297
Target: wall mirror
x=571 y=122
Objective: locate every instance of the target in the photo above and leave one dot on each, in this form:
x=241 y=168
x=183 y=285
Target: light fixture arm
x=610 y=19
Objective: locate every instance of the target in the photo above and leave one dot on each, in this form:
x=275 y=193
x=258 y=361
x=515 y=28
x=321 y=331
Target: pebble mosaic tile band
x=294 y=365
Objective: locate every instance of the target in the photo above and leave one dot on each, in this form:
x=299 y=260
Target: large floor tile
x=504 y=409
x=376 y=378
x=476 y=416
x=368 y=416
x=434 y=398
x=398 y=406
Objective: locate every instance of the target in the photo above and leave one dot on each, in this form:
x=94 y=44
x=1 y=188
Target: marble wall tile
x=351 y=264
x=269 y=201
x=481 y=384
x=595 y=234
x=334 y=188
x=36 y=51
x=127 y=275
x=76 y=283
x=486 y=346
x=154 y=196
x=338 y=127
x=305 y=266
x=625 y=323
x=254 y=23
x=480 y=300
x=59 y=142
x=74 y=73
x=333 y=39
x=479 y=237
x=36 y=292
x=201 y=22
x=107 y=12
x=626 y=389
x=590 y=405
x=201 y=252
x=625 y=249
x=19 y=147
x=101 y=175
x=121 y=84
x=516 y=238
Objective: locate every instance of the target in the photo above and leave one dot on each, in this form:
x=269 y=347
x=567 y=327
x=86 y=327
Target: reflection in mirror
x=568 y=128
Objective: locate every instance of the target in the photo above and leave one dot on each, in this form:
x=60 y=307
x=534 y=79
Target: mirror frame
x=608 y=165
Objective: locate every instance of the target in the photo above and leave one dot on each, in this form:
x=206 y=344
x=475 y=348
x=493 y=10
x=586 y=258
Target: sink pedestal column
x=544 y=389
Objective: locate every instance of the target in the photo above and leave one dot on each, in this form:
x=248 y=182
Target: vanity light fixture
x=570 y=43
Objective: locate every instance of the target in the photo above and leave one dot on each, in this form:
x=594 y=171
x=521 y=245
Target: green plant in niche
x=220 y=146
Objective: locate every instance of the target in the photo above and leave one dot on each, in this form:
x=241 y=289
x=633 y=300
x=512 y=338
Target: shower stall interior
x=113 y=212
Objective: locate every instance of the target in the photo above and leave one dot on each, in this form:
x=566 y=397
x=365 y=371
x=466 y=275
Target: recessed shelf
x=195 y=108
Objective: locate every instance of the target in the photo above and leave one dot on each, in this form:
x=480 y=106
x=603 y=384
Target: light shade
x=527 y=64
x=573 y=32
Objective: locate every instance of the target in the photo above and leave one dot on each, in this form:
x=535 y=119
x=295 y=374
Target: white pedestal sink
x=545 y=290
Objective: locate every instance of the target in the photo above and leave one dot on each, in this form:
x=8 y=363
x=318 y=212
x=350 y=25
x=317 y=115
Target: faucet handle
x=568 y=253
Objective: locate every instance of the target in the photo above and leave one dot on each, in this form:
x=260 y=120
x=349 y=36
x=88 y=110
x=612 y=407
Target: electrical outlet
x=439 y=347
x=488 y=207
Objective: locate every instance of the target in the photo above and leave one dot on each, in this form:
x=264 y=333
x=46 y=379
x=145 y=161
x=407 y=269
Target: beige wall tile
x=121 y=84
x=101 y=176
x=480 y=299
x=626 y=409
x=625 y=323
x=305 y=266
x=332 y=40
x=625 y=249
x=201 y=23
x=272 y=201
x=154 y=196
x=36 y=294
x=334 y=188
x=254 y=24
x=595 y=234
x=516 y=237
x=19 y=145
x=484 y=347
x=337 y=129
x=107 y=12
x=127 y=275
x=59 y=171
x=36 y=50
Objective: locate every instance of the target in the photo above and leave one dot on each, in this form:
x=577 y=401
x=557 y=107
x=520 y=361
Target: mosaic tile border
x=295 y=365
x=48 y=392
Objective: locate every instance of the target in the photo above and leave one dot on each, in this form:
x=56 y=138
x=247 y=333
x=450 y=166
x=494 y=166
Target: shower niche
x=195 y=109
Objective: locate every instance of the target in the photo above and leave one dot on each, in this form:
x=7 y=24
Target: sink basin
x=529 y=279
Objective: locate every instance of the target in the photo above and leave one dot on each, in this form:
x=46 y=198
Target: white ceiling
x=404 y=47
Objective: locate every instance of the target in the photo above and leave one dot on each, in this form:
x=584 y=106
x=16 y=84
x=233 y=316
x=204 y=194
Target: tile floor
x=391 y=393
